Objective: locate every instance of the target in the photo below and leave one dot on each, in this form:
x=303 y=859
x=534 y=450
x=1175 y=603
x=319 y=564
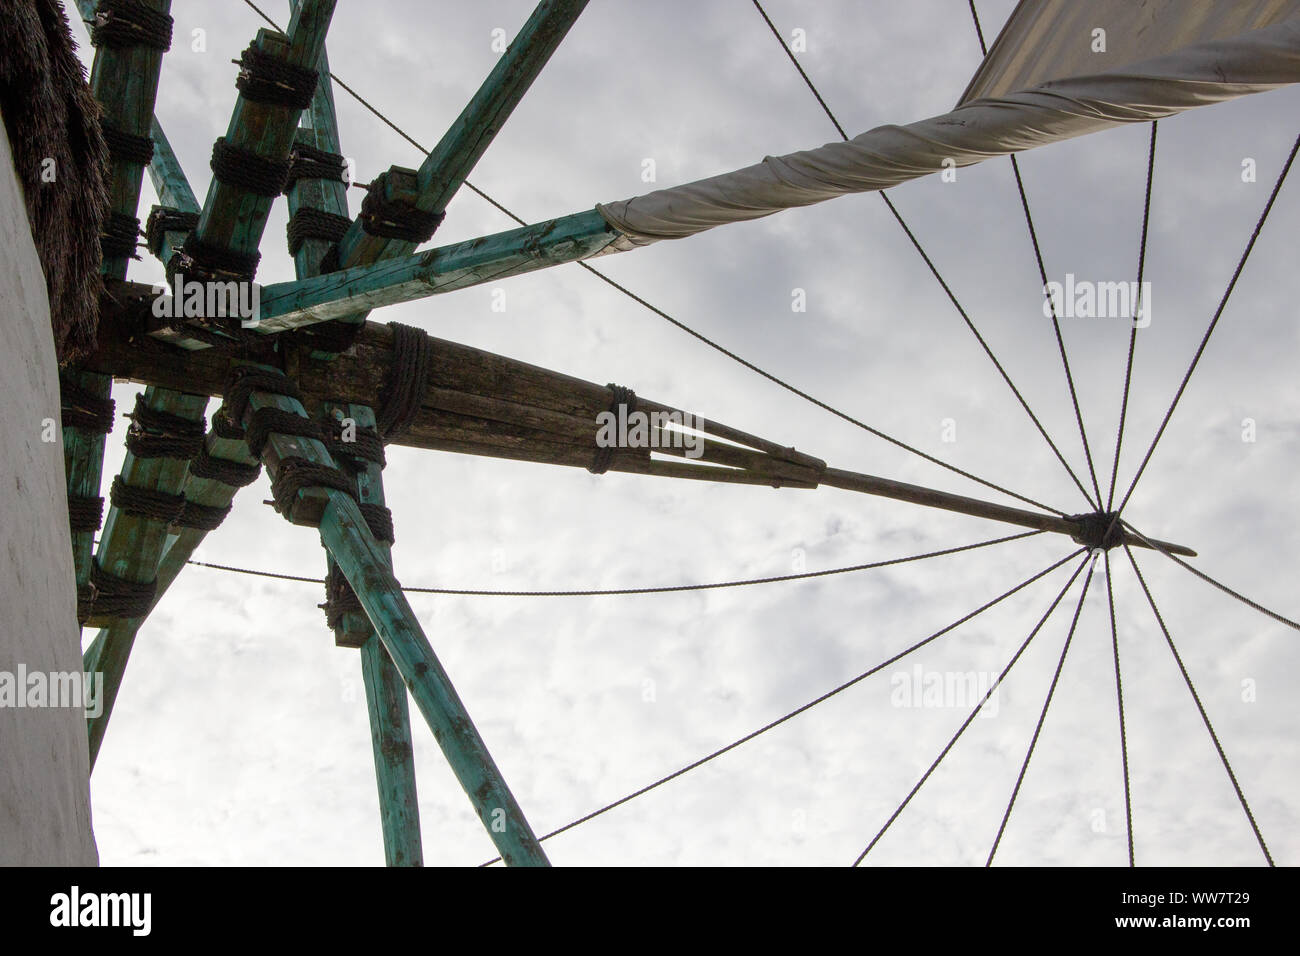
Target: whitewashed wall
x=44 y=768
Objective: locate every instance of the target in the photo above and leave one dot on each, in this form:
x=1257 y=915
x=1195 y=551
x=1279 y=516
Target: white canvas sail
x=1198 y=61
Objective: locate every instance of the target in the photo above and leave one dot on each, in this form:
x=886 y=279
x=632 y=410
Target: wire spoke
x=1209 y=580
x=808 y=706
x=1119 y=697
x=1038 y=730
x=651 y=590
x=1218 y=313
x=962 y=729
x=1241 y=797
x=1056 y=326
x=934 y=270
x=1132 y=337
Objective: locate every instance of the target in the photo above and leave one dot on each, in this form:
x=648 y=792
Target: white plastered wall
x=44 y=766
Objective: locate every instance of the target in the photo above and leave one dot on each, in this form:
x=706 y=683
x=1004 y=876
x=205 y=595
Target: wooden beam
x=130 y=548
x=288 y=305
x=484 y=404
x=125 y=83
x=446 y=168
x=233 y=217
x=390 y=719
x=346 y=536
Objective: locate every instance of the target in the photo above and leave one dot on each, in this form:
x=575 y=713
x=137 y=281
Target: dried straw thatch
x=50 y=114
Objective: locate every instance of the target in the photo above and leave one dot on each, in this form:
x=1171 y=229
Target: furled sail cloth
x=1039 y=84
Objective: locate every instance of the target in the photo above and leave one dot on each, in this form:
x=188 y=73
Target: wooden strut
x=366 y=566
x=479 y=403
x=133 y=546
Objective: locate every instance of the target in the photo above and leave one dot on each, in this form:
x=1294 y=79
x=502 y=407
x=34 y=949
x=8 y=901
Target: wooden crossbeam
x=288 y=305
x=449 y=164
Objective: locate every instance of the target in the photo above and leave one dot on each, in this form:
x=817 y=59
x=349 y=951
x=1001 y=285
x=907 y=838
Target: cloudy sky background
x=240 y=736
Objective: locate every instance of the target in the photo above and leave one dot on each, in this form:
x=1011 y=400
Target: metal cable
x=1119 y=697
x=1056 y=326
x=808 y=706
x=655 y=590
x=1236 y=274
x=1132 y=337
x=1042 y=716
x=967 y=722
x=979 y=32
x=1241 y=797
x=1209 y=580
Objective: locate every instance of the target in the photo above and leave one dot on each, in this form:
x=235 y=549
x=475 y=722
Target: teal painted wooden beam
x=125 y=83
x=233 y=217
x=346 y=536
x=172 y=187
x=130 y=548
x=446 y=168
x=287 y=305
x=390 y=719
x=318 y=128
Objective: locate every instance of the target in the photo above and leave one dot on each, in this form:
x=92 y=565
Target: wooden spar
x=125 y=83
x=346 y=536
x=390 y=719
x=289 y=305
x=445 y=169
x=479 y=403
x=233 y=217
x=130 y=548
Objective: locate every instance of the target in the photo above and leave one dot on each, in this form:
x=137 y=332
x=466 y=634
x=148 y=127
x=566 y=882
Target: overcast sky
x=240 y=736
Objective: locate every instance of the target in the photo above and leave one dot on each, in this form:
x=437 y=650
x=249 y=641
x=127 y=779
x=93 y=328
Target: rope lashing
x=264 y=422
x=309 y=223
x=1098 y=530
x=274 y=81
x=308 y=162
x=165 y=219
x=158 y=434
x=396 y=220
x=83 y=410
x=206 y=262
x=84 y=513
x=200 y=517
x=236 y=166
x=244 y=381
x=365 y=446
x=119 y=236
x=145 y=502
x=235 y=474
x=295 y=473
x=128 y=23
x=111 y=596
x=340 y=598
x=127 y=146
x=407 y=381
x=621 y=396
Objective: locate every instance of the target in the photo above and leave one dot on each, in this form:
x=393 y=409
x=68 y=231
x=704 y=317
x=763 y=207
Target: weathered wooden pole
x=348 y=539
x=390 y=721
